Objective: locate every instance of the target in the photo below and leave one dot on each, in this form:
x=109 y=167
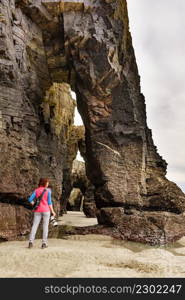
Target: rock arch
x=88 y=45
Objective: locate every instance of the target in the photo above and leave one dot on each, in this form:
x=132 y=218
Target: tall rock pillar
x=122 y=161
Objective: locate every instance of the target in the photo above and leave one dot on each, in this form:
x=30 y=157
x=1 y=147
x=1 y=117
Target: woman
x=42 y=211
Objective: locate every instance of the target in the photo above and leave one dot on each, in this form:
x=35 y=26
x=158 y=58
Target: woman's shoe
x=30 y=245
x=44 y=246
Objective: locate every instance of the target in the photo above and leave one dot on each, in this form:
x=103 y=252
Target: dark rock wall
x=23 y=75
x=36 y=113
x=122 y=161
x=14 y=221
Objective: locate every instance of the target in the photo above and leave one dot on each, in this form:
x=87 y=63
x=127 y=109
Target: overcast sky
x=157 y=29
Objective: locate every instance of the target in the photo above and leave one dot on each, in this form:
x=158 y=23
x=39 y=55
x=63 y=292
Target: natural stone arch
x=122 y=161
x=88 y=45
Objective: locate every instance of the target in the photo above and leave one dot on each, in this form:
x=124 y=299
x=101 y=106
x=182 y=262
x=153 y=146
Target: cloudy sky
x=157 y=29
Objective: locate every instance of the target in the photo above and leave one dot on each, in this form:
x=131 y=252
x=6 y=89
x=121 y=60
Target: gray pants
x=36 y=221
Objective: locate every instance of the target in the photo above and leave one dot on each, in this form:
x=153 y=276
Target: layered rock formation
x=78 y=186
x=36 y=118
x=14 y=221
x=80 y=182
x=88 y=45
x=76 y=137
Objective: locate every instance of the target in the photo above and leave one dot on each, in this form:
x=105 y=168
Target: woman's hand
x=52 y=210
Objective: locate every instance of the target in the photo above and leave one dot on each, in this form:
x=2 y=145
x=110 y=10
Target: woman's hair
x=43 y=181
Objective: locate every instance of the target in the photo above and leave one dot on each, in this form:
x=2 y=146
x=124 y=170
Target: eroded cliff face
x=36 y=119
x=88 y=45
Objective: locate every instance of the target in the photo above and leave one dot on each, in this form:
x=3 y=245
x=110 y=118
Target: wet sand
x=91 y=256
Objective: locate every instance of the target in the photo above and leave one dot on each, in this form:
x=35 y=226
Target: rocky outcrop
x=78 y=176
x=79 y=181
x=36 y=113
x=14 y=221
x=76 y=137
x=75 y=200
x=86 y=44
x=89 y=205
x=122 y=162
x=146 y=227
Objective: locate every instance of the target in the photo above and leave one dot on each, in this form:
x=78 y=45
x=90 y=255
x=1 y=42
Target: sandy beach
x=90 y=256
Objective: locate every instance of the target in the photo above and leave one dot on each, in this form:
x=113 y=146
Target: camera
x=53 y=221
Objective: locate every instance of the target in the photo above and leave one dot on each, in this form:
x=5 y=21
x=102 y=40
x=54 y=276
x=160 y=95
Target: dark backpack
x=37 y=200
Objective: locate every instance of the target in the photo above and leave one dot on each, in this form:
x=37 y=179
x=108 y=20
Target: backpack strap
x=40 y=197
x=37 y=200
